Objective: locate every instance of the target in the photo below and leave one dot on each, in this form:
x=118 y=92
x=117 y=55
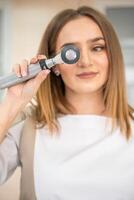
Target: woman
x=83 y=146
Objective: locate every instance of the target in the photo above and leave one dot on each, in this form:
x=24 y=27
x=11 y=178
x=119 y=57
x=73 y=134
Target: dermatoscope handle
x=69 y=54
x=11 y=79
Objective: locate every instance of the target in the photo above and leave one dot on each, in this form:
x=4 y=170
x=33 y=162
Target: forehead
x=78 y=30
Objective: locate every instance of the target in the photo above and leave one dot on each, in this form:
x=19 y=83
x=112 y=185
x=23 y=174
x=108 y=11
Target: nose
x=86 y=59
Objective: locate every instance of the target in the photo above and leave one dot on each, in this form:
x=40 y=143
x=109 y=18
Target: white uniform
x=84 y=162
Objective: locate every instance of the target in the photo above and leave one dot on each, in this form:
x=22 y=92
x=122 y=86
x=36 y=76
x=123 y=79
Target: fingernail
x=19 y=75
x=47 y=71
x=24 y=73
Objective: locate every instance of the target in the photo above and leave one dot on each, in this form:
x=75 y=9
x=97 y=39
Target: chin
x=87 y=91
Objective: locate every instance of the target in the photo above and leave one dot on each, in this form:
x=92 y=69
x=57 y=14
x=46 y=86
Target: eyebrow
x=90 y=40
x=96 y=39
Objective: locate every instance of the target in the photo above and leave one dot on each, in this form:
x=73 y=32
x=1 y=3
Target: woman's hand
x=24 y=92
x=19 y=95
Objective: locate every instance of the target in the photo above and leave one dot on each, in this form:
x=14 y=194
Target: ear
x=56 y=70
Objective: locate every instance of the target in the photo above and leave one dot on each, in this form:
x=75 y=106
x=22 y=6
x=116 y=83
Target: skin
x=23 y=93
x=85 y=94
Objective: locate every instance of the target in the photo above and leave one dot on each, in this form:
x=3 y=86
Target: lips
x=87 y=74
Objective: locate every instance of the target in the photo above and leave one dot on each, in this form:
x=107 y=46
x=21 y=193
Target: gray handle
x=12 y=79
x=69 y=54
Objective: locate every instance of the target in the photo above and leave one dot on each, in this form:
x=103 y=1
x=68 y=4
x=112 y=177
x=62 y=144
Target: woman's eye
x=98 y=48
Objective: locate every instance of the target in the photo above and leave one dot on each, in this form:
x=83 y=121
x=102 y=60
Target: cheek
x=66 y=72
x=103 y=65
x=103 y=60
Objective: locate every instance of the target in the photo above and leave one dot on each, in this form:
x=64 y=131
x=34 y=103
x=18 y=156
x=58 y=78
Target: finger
x=34 y=60
x=41 y=56
x=16 y=70
x=24 y=67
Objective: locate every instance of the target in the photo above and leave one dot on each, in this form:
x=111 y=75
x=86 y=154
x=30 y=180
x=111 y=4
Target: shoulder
x=21 y=128
x=16 y=128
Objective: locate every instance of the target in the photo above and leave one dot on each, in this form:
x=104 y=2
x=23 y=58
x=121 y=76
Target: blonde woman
x=78 y=143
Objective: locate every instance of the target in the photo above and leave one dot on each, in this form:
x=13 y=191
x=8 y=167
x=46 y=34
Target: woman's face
x=90 y=73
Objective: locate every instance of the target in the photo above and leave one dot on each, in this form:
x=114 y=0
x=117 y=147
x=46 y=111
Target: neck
x=87 y=103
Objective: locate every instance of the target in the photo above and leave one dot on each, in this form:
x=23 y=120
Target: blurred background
x=22 y=23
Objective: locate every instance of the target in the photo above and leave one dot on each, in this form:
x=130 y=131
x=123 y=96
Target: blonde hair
x=50 y=97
